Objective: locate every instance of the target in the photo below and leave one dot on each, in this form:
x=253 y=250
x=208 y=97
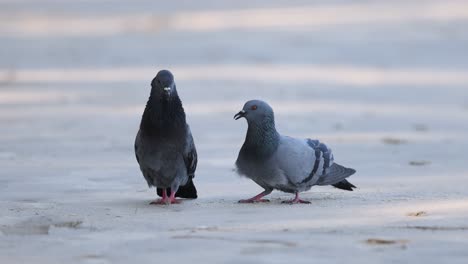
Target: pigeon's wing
x=295 y=159
x=190 y=159
x=140 y=159
x=344 y=185
x=323 y=157
x=336 y=175
x=136 y=146
x=330 y=173
x=190 y=155
x=304 y=162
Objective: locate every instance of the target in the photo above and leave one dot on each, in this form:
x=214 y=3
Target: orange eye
x=254 y=107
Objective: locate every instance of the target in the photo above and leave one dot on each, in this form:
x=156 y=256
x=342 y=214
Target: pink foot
x=161 y=201
x=176 y=201
x=296 y=200
x=257 y=198
x=173 y=200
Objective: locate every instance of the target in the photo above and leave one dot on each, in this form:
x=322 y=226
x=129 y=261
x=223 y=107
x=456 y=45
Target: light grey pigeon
x=277 y=162
x=164 y=146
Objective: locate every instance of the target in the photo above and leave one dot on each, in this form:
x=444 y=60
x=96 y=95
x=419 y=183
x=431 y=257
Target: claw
x=163 y=200
x=296 y=200
x=257 y=198
x=159 y=202
x=172 y=198
x=175 y=201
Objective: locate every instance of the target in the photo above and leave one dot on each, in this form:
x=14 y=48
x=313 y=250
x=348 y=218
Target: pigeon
x=277 y=162
x=164 y=145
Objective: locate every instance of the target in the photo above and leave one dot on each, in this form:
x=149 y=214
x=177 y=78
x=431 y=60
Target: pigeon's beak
x=167 y=92
x=239 y=115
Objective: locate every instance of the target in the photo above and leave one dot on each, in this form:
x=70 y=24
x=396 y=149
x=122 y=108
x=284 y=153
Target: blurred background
x=385 y=83
x=75 y=76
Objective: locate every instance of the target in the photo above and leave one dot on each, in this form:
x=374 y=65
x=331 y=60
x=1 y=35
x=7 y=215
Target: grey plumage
x=164 y=145
x=284 y=163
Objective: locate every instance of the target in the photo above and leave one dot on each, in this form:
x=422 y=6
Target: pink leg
x=257 y=198
x=163 y=200
x=296 y=200
x=172 y=199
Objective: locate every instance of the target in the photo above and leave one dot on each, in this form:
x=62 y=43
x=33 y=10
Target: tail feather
x=337 y=173
x=344 y=185
x=186 y=191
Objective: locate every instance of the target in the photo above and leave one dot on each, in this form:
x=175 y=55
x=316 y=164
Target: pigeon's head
x=256 y=111
x=163 y=85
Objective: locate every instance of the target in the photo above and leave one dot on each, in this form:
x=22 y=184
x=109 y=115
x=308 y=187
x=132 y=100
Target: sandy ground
x=383 y=82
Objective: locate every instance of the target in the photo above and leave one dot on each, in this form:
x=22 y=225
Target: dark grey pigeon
x=277 y=162
x=164 y=146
